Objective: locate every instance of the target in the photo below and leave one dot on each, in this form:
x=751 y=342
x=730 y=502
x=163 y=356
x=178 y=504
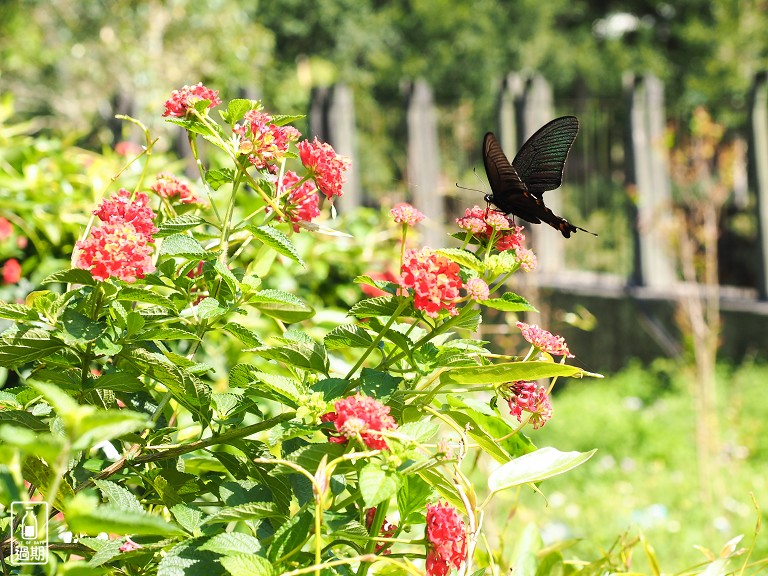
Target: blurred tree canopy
x=71 y=59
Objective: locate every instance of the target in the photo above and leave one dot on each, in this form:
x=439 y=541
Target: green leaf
x=119 y=496
x=23 y=418
x=217 y=178
x=73 y=276
x=509 y=372
x=236 y=109
x=462 y=257
x=488 y=444
x=186 y=388
x=310 y=456
x=276 y=240
x=178 y=225
x=380 y=306
x=331 y=388
x=188 y=517
x=282 y=305
x=377 y=485
x=249 y=511
x=535 y=467
x=283 y=119
x=412 y=498
x=90 y=426
x=421 y=431
x=186 y=247
x=347 y=336
x=228 y=543
x=117 y=381
x=26 y=346
x=131 y=294
x=17 y=312
x=299 y=355
x=85 y=515
x=445 y=488
x=210 y=308
x=41 y=444
x=246 y=336
x=247 y=565
x=290 y=535
x=186 y=559
x=166 y=333
x=81 y=328
x=380 y=385
x=510 y=302
x=272 y=386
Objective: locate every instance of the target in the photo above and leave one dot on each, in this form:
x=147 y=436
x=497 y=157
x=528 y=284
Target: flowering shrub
x=308 y=452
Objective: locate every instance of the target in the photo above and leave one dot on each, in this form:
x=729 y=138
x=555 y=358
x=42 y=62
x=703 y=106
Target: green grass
x=644 y=476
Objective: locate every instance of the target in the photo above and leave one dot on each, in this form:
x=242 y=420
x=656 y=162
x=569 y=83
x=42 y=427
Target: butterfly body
x=518 y=187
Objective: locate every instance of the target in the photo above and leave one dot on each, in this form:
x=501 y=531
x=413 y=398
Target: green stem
x=378 y=338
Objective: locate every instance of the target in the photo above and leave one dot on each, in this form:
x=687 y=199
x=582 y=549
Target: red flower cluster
x=545 y=341
x=168 y=186
x=404 y=213
x=121 y=246
x=181 y=101
x=447 y=536
x=11 y=271
x=387 y=528
x=325 y=166
x=531 y=398
x=434 y=279
x=6 y=228
x=361 y=417
x=265 y=143
x=481 y=223
x=302 y=203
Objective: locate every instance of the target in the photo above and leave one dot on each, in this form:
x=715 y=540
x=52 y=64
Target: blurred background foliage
x=66 y=68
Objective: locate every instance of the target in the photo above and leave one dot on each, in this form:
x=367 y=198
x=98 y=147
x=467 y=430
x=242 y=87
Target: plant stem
x=378 y=338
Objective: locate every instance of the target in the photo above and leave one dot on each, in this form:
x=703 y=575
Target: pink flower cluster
x=325 y=166
x=302 y=202
x=11 y=271
x=121 y=246
x=434 y=280
x=182 y=101
x=264 y=142
x=404 y=213
x=481 y=223
x=361 y=417
x=545 y=341
x=531 y=398
x=477 y=289
x=447 y=537
x=169 y=186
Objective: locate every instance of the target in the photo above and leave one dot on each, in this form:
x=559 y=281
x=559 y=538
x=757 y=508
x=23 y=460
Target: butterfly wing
x=541 y=160
x=510 y=193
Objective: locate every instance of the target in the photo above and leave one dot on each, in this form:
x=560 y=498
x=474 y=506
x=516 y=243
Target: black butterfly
x=518 y=188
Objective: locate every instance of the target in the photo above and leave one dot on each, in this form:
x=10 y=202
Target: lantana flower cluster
x=434 y=280
x=182 y=101
x=404 y=213
x=528 y=397
x=544 y=341
x=169 y=187
x=324 y=165
x=265 y=143
x=482 y=222
x=447 y=538
x=302 y=203
x=361 y=417
x=121 y=247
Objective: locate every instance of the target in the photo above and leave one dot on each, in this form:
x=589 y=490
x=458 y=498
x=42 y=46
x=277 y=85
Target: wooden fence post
x=424 y=162
x=648 y=173
x=341 y=135
x=758 y=161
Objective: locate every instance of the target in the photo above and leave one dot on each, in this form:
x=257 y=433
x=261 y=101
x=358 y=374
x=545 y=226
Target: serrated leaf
x=186 y=559
x=462 y=257
x=119 y=496
x=380 y=306
x=188 y=517
x=283 y=119
x=380 y=385
x=509 y=302
x=131 y=294
x=217 y=178
x=377 y=485
x=73 y=276
x=80 y=328
x=246 y=336
x=299 y=355
x=421 y=431
x=290 y=535
x=232 y=543
x=209 y=308
x=236 y=109
x=247 y=565
x=282 y=305
x=17 y=312
x=535 y=467
x=86 y=518
x=509 y=372
x=185 y=246
x=249 y=511
x=272 y=386
x=331 y=388
x=276 y=240
x=347 y=336
x=310 y=456
x=178 y=225
x=26 y=346
x=166 y=333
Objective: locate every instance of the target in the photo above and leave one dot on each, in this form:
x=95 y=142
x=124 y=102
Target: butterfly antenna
x=470 y=189
x=587 y=231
